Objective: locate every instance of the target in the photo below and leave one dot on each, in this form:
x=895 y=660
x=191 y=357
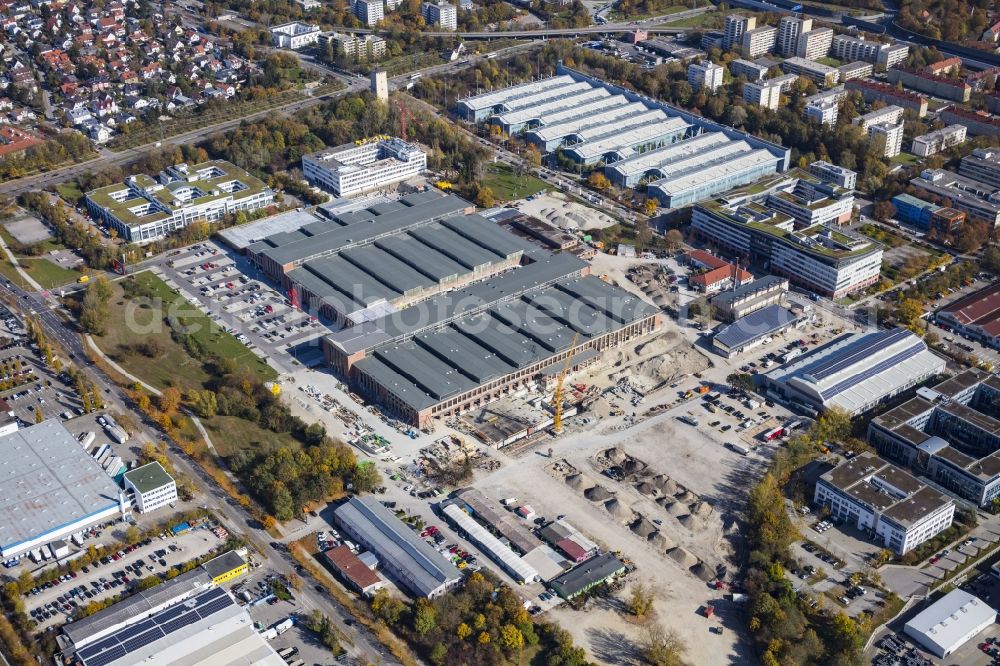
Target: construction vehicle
x=557 y=395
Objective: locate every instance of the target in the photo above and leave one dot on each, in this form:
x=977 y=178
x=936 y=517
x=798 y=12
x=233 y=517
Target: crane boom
x=557 y=394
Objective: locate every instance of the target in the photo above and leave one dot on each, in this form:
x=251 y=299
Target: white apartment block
x=294 y=35
x=759 y=41
x=735 y=26
x=820 y=74
x=891 y=505
x=144 y=209
x=705 y=74
x=789 y=29
x=814 y=44
x=888 y=114
x=354 y=169
x=823 y=111
x=882 y=55
x=369 y=12
x=765 y=93
x=890 y=135
x=151 y=487
x=443 y=14
x=356 y=47
x=938 y=140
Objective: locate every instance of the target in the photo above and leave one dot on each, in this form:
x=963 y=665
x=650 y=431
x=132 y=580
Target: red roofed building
x=942 y=67
x=353 y=570
x=706 y=260
x=572 y=550
x=977 y=315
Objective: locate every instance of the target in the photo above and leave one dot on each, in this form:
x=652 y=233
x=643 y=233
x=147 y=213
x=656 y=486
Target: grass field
x=70 y=192
x=706 y=20
x=828 y=61
x=10 y=273
x=905 y=159
x=138 y=323
x=507 y=186
x=230 y=434
x=48 y=274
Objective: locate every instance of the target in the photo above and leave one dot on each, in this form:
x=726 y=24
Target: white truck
x=739 y=448
x=87 y=438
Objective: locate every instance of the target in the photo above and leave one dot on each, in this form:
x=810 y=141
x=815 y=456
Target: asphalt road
x=365 y=647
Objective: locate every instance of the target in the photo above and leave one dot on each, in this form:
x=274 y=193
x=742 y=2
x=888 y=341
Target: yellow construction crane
x=557 y=401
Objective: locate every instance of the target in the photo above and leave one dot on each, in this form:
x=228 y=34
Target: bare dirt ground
x=647 y=364
x=558 y=210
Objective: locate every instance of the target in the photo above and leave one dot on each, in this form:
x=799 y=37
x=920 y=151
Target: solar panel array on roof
x=137 y=636
x=874 y=343
x=872 y=370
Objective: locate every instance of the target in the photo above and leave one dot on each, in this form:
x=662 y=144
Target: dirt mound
x=633 y=466
x=667 y=485
x=648 y=489
x=643 y=528
x=580 y=482
x=701 y=509
x=615 y=455
x=598 y=494
x=702 y=571
x=693 y=523
x=619 y=511
x=663 y=359
x=677 y=509
x=661 y=541
x=683 y=557
x=687 y=497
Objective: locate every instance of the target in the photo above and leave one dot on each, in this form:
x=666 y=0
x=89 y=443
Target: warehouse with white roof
x=950 y=622
x=855 y=372
x=682 y=158
x=50 y=487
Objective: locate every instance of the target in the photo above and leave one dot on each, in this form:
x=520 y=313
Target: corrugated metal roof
x=492 y=546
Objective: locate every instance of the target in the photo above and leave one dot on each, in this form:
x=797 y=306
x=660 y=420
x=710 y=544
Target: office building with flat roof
x=884 y=501
x=949 y=433
x=746 y=299
x=823 y=112
x=50 y=488
x=403 y=555
x=950 y=622
x=859 y=69
x=938 y=140
x=354 y=169
x=151 y=487
x=912 y=210
x=832 y=173
x=679 y=157
x=973 y=197
x=752 y=330
x=706 y=75
x=751 y=71
x=855 y=372
x=765 y=93
x=822 y=258
x=982 y=165
x=144 y=209
x=294 y=35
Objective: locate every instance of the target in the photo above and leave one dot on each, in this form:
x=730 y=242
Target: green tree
x=662 y=648
x=740 y=381
x=424 y=617
x=640 y=601
x=484 y=197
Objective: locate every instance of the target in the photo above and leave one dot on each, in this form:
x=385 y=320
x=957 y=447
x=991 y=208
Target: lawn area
x=48 y=274
x=828 y=61
x=230 y=434
x=706 y=20
x=147 y=321
x=507 y=186
x=905 y=159
x=9 y=272
x=618 y=16
x=47 y=245
x=70 y=192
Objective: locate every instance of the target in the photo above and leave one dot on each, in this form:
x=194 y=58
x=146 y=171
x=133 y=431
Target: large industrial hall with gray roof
x=440 y=310
x=681 y=158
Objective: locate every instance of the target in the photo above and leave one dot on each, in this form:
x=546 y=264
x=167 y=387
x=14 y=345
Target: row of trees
x=85 y=239
x=63 y=148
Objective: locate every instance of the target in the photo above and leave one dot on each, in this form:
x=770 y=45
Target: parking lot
x=229 y=290
x=58 y=602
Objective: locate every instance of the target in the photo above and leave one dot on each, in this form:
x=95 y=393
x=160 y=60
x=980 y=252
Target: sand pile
x=667 y=485
x=693 y=523
x=598 y=494
x=701 y=509
x=687 y=497
x=643 y=528
x=580 y=482
x=702 y=571
x=683 y=557
x=615 y=455
x=661 y=541
x=677 y=509
x=665 y=358
x=633 y=466
x=619 y=511
x=647 y=488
